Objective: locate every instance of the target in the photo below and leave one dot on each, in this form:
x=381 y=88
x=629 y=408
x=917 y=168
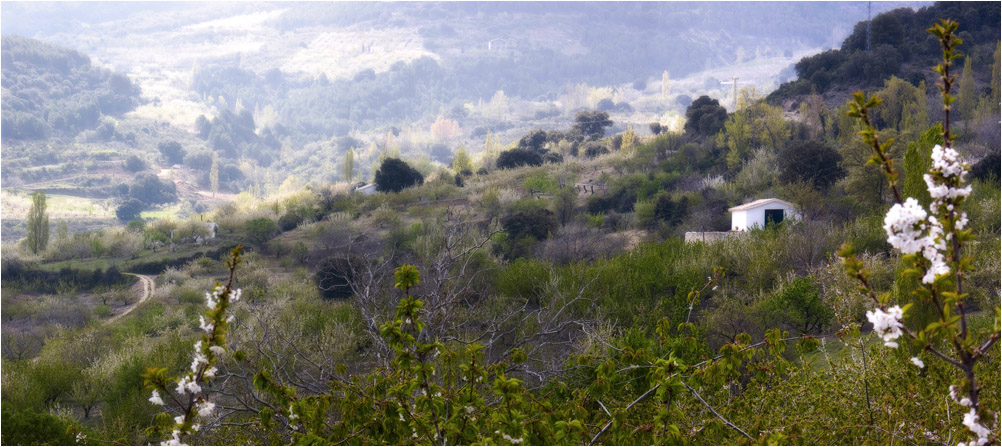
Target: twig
x=715 y=412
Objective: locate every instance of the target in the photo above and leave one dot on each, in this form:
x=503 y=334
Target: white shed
x=368 y=189
x=757 y=213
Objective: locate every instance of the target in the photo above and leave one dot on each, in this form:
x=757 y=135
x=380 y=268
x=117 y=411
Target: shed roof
x=759 y=203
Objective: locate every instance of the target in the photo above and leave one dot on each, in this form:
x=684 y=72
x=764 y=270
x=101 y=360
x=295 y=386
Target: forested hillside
x=895 y=44
x=53 y=91
x=582 y=275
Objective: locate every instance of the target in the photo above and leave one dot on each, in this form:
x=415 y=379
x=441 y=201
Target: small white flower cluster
x=293 y=417
x=918 y=362
x=515 y=441
x=887 y=324
x=912 y=230
x=904 y=225
x=155 y=398
x=187 y=384
x=205 y=408
x=971 y=419
x=81 y=437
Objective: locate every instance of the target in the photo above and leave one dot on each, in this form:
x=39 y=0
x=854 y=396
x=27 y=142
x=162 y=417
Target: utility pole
x=868 y=27
x=734 y=81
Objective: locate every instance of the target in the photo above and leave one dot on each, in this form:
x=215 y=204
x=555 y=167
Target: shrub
x=519 y=157
x=394 y=175
x=260 y=230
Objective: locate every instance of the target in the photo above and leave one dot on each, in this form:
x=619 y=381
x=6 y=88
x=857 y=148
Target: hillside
x=577 y=260
x=898 y=46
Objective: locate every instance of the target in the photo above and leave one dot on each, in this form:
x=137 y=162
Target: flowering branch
x=188 y=394
x=931 y=242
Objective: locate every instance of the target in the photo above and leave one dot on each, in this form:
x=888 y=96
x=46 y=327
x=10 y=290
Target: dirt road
x=149 y=286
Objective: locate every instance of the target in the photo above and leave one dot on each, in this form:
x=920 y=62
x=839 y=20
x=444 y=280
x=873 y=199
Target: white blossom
x=918 y=362
x=175 y=439
x=904 y=224
x=187 y=384
x=236 y=295
x=179 y=420
x=947 y=162
x=155 y=398
x=207 y=327
x=217 y=350
x=972 y=421
x=515 y=441
x=210 y=300
x=887 y=324
x=81 y=437
x=205 y=408
x=210 y=373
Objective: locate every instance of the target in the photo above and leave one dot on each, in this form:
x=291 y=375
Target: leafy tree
x=799 y=306
x=150 y=190
x=593 y=149
x=519 y=156
x=461 y=161
x=129 y=210
x=535 y=140
x=656 y=128
x=261 y=229
x=629 y=138
x=536 y=223
x=811 y=162
x=592 y=124
x=134 y=164
x=670 y=211
x=172 y=151
x=38 y=223
x=705 y=116
x=394 y=175
x=202 y=127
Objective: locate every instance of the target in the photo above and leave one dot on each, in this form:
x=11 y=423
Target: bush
x=134 y=164
x=30 y=428
x=519 y=157
x=811 y=162
x=333 y=277
x=394 y=175
x=260 y=230
x=172 y=151
x=129 y=210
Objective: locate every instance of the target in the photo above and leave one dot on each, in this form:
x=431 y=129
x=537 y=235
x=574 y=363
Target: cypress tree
x=38 y=223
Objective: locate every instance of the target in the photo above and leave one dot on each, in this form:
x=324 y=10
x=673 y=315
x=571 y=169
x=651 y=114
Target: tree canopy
x=394 y=175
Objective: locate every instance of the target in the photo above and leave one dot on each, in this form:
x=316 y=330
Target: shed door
x=773 y=216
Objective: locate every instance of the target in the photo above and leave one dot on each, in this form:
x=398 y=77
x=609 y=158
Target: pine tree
x=348 y=166
x=38 y=223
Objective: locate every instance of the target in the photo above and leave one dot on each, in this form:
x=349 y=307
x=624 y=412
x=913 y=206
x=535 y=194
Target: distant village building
x=368 y=189
x=761 y=212
x=749 y=216
x=500 y=44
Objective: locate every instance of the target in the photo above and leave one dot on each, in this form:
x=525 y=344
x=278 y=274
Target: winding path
x=149 y=286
